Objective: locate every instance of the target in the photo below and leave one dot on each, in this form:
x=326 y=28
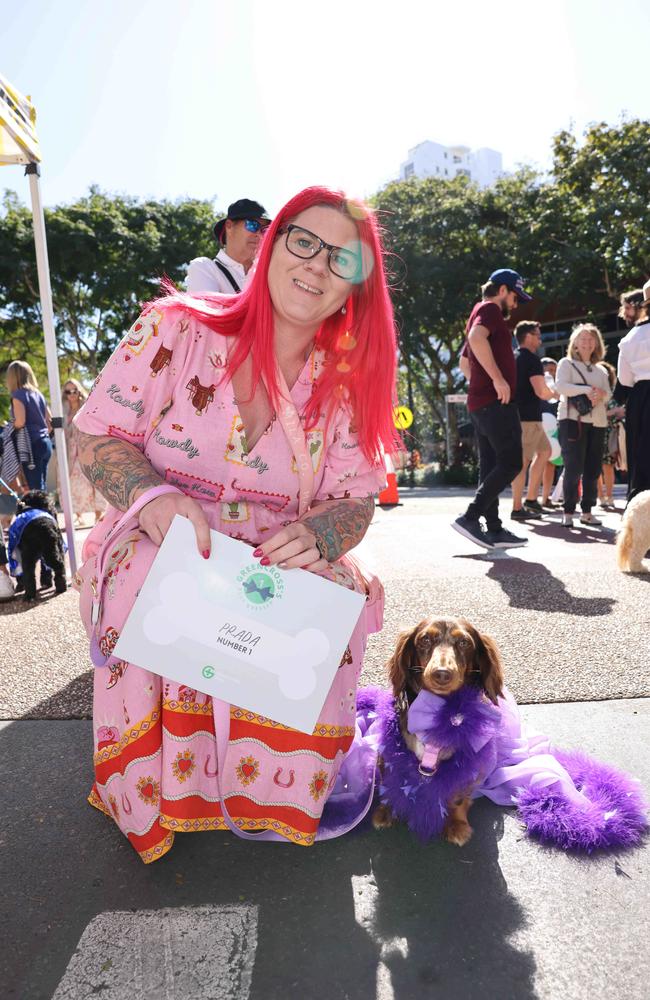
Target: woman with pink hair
x=263 y=416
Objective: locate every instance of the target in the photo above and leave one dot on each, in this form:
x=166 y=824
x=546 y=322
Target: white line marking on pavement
x=188 y=953
x=366 y=898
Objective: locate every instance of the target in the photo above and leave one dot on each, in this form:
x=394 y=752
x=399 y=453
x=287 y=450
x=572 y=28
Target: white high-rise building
x=430 y=159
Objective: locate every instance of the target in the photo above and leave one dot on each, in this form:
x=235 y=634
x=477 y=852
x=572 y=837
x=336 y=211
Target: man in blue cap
x=488 y=361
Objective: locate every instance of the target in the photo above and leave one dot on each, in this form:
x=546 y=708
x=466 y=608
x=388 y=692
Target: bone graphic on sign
x=184 y=613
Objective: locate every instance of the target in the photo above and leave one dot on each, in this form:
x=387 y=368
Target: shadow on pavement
x=75 y=700
x=581 y=534
x=17 y=605
x=531 y=585
x=333 y=919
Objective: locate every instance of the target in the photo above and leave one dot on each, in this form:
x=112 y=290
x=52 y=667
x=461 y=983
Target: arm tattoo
x=340 y=526
x=116 y=468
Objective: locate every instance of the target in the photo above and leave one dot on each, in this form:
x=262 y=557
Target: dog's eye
x=463 y=642
x=425 y=641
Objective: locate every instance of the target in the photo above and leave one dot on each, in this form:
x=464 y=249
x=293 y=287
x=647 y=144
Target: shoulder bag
x=226 y=273
x=582 y=402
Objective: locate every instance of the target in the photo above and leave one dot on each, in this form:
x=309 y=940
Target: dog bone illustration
x=184 y=613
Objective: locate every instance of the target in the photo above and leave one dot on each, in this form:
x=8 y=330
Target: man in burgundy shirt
x=489 y=363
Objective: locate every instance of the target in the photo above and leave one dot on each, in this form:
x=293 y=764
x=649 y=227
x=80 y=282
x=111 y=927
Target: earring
x=343 y=310
x=346 y=342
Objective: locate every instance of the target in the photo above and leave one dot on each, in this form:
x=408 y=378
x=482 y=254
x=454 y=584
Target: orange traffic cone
x=390 y=496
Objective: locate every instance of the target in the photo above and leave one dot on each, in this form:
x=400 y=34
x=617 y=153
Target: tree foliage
x=107 y=254
x=578 y=235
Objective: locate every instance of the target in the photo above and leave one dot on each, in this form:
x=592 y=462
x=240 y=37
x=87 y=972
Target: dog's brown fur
x=441 y=655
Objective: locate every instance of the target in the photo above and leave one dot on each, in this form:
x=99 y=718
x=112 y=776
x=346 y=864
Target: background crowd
x=519 y=404
x=568 y=427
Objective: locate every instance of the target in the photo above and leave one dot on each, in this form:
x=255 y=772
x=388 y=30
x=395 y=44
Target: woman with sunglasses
x=239 y=235
x=83 y=494
x=215 y=396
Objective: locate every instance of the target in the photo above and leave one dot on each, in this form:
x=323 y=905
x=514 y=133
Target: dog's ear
x=488 y=661
x=402 y=659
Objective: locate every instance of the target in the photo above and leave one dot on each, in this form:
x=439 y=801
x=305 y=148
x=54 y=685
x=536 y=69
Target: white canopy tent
x=19 y=145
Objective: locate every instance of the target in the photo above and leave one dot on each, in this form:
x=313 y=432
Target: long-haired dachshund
x=441 y=655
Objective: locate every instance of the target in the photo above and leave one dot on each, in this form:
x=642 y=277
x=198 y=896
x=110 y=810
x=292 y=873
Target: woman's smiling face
x=305 y=291
x=586 y=344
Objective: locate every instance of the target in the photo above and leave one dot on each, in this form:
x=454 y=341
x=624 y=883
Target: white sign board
x=267 y=639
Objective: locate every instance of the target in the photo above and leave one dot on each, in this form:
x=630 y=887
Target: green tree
x=107 y=254
x=445 y=237
x=601 y=189
x=578 y=235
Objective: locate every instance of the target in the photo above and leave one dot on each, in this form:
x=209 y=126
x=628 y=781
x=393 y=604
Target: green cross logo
x=259 y=588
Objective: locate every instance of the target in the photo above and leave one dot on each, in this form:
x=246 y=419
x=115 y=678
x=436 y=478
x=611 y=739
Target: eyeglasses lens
x=342 y=263
x=253 y=225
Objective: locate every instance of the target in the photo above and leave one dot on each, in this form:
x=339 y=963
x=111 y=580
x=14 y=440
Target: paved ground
x=570 y=626
x=375 y=915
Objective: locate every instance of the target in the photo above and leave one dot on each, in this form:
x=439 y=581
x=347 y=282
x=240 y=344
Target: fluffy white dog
x=633 y=539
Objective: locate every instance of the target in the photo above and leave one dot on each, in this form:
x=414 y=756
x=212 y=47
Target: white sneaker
x=6 y=587
x=591 y=520
x=567 y=520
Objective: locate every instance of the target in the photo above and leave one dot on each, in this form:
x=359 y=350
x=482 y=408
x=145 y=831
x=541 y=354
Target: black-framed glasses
x=302 y=243
x=70 y=392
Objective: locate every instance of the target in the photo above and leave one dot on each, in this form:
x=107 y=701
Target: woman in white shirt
x=582 y=436
x=634 y=372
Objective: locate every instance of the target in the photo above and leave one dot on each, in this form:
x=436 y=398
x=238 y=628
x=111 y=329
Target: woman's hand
x=596 y=395
x=293 y=546
x=321 y=536
x=157 y=515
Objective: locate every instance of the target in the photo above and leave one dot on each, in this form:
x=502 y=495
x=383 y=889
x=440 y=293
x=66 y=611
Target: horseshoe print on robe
x=207 y=772
x=284 y=784
x=200 y=395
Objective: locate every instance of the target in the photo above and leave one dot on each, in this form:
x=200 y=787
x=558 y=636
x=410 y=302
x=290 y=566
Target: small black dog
x=41 y=539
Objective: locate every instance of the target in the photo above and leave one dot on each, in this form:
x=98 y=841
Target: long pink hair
x=364 y=374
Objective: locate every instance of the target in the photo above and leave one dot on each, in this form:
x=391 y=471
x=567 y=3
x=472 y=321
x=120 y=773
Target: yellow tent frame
x=19 y=145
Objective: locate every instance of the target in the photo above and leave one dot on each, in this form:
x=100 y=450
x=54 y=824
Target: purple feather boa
x=615 y=816
x=421 y=801
x=564 y=798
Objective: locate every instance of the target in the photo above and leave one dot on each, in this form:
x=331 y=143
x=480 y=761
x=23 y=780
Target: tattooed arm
x=321 y=536
x=121 y=473
x=339 y=525
x=116 y=468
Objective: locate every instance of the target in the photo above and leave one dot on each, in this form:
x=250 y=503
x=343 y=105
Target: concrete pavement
x=374 y=915
x=569 y=625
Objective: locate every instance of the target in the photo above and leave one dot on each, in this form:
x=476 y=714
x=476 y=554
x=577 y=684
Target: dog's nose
x=442 y=676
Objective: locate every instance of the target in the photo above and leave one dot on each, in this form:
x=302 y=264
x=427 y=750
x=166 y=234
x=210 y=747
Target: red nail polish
x=257 y=552
x=206 y=553
x=265 y=561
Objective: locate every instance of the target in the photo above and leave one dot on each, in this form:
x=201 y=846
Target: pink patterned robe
x=163 y=391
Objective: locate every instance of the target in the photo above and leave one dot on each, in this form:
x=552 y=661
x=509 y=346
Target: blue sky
x=259 y=98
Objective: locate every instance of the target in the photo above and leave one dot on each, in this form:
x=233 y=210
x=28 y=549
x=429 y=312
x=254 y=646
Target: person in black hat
x=634 y=376
x=238 y=235
x=489 y=363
